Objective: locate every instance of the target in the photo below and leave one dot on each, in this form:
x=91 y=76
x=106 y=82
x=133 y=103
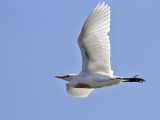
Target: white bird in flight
x=95 y=49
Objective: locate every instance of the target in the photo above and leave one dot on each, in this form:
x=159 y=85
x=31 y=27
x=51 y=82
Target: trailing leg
x=133 y=79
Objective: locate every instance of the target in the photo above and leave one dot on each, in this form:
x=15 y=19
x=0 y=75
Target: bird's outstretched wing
x=94 y=41
x=78 y=92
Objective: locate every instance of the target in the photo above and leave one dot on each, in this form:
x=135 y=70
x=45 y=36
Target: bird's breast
x=82 y=85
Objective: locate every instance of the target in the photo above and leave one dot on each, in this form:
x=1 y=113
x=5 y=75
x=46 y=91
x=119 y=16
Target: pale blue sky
x=38 y=39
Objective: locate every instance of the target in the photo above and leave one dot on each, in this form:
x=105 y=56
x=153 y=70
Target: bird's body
x=95 y=49
x=92 y=80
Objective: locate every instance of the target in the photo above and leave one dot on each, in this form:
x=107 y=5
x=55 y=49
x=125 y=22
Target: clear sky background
x=38 y=40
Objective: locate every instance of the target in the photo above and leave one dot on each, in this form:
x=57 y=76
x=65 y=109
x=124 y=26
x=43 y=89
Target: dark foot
x=133 y=79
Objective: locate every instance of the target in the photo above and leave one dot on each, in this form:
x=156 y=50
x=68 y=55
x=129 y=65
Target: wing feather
x=94 y=41
x=78 y=92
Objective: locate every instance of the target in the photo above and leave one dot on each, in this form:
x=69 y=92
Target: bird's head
x=68 y=77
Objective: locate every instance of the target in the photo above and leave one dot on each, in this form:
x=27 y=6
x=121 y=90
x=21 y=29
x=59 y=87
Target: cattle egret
x=95 y=49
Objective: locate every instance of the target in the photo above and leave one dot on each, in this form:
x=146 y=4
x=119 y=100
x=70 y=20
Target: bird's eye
x=67 y=75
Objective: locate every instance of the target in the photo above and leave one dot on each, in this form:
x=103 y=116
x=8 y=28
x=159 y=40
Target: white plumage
x=95 y=49
x=94 y=40
x=78 y=92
